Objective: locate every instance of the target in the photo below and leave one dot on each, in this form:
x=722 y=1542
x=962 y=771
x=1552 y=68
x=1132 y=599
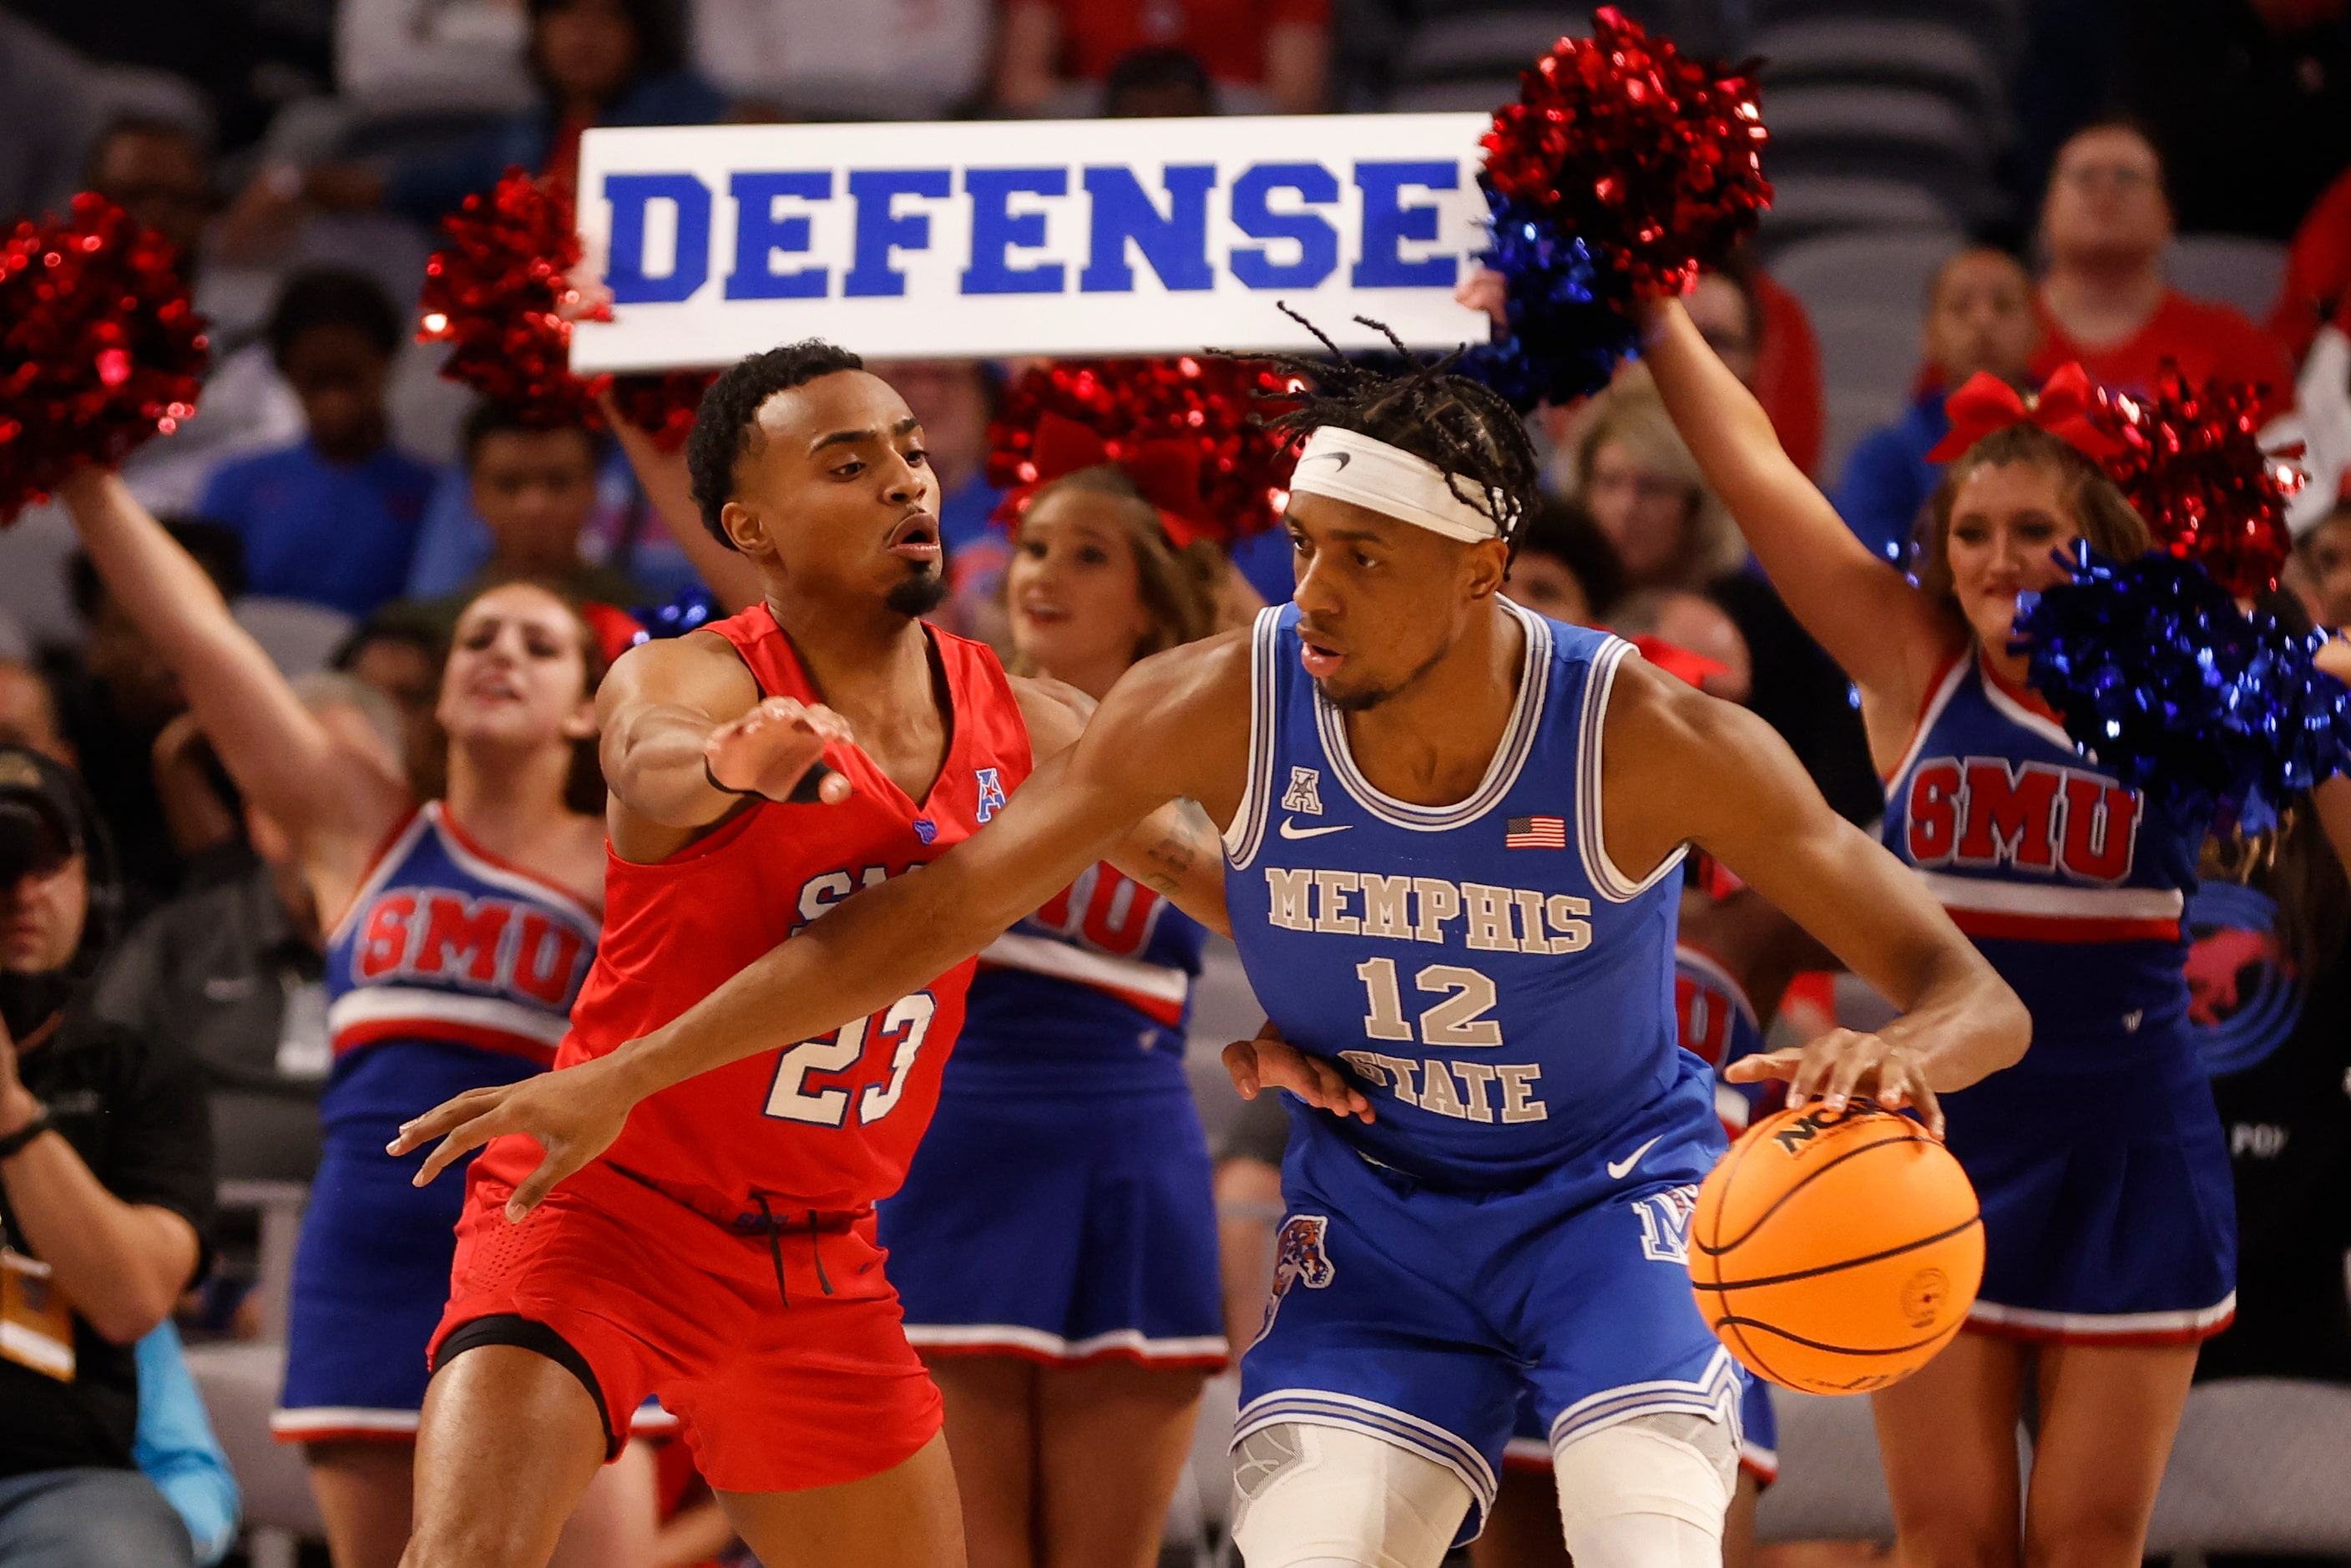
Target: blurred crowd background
x=1963 y=185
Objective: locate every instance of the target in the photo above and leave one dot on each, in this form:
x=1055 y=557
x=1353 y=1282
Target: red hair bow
x=1987 y=405
x=1166 y=472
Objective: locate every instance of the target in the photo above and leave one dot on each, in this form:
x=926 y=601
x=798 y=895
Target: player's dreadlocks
x=1463 y=426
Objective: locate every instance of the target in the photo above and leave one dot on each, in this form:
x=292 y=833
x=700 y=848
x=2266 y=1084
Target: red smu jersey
x=827 y=1124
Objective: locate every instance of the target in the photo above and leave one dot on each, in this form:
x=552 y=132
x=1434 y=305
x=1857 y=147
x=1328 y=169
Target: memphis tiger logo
x=1665 y=1224
x=1299 y=1259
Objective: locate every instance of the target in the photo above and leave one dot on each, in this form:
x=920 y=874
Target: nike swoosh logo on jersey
x=1618 y=1168
x=1290 y=830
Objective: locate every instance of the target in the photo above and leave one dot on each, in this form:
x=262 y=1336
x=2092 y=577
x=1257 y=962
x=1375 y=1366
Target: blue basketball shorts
x=1759 y=1434
x=1064 y=1227
x=1421 y=1315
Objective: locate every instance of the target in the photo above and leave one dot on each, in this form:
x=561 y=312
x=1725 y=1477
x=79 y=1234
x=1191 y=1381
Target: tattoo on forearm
x=1180 y=849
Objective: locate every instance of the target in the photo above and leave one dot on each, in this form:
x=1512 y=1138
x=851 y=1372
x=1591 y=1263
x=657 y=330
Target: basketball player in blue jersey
x=1451 y=828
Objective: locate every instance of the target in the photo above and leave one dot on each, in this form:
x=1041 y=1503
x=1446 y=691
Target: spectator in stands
x=398 y=651
x=1690 y=636
x=233 y=971
x=2106 y=220
x=1765 y=335
x=163 y=175
x=106 y=1196
x=2324 y=558
x=597 y=62
x=819 y=59
x=534 y=490
x=332 y=519
x=117 y=698
x=1270 y=57
x=1564 y=565
x=175 y=1448
x=1158 y=84
x=1640 y=485
x=1980 y=317
x=28 y=713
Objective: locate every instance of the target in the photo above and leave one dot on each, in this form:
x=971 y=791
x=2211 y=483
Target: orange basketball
x=1837 y=1252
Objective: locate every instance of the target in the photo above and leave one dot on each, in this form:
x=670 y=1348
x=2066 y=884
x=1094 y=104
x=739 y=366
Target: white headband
x=1347 y=466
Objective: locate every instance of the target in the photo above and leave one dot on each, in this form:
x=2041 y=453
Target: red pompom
x=2192 y=464
x=1183 y=430
x=663 y=407
x=1653 y=161
x=100 y=348
x=500 y=294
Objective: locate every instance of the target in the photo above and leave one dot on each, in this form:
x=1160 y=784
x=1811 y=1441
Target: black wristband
x=723 y=788
x=804 y=793
x=16 y=1141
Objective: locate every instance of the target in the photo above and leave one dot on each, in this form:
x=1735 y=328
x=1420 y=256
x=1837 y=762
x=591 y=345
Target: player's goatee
x=919 y=594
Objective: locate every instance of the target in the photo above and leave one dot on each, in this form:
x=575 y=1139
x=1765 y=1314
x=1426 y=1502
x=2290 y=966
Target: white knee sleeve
x=1650 y=1492
x=1323 y=1497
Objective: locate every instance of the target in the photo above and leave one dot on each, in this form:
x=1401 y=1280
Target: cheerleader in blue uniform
x=460 y=930
x=2109 y=1225
x=1055 y=1243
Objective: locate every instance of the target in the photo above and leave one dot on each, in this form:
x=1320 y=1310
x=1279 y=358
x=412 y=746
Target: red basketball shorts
x=778 y=1386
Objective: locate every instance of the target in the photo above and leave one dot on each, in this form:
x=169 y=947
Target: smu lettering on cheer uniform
x=446 y=944
x=1716 y=1022
x=2072 y=883
x=1505 y=1007
x=829 y=1123
x=1097 y=982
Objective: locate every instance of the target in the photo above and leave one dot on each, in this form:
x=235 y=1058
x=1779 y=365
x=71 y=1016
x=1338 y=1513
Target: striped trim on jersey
x=1532 y=1456
x=1609 y=882
x=1945 y=686
x=1153 y=988
x=1714 y=1397
x=1316 y=1407
x=1119 y=1344
x=373 y=1013
x=1501 y=773
x=2057 y=914
x=1247 y=830
x=2101 y=1328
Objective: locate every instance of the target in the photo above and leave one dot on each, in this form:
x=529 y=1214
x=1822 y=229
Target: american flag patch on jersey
x=1535 y=834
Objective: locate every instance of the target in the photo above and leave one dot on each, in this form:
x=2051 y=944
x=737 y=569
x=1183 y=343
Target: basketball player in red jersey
x=721 y=1255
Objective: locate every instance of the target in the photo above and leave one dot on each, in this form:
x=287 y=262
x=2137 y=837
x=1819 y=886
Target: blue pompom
x=1571 y=320
x=2163 y=680
x=693 y=608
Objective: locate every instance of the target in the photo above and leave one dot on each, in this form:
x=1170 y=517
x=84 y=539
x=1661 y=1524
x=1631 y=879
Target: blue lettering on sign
x=1318 y=241
x=631 y=194
x=996 y=229
x=1387 y=223
x=760 y=235
x=881 y=228
x=1175 y=242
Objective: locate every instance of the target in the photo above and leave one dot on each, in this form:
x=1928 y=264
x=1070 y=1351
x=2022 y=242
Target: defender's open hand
x=573 y=1114
x=771 y=749
x=1268 y=1061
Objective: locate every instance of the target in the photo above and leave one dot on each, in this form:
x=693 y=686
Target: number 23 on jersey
x=902 y=1025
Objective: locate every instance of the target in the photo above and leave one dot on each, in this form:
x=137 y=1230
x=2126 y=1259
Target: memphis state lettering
x=1420 y=909
x=1986 y=813
x=495 y=944
x=1291 y=203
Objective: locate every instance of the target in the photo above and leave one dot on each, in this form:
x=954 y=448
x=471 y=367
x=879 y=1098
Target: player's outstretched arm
x=1680 y=767
x=1175 y=725
x=1880 y=630
x=683 y=735
x=1175 y=851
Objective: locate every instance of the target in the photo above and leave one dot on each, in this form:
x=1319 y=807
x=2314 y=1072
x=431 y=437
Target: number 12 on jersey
x=789 y=1097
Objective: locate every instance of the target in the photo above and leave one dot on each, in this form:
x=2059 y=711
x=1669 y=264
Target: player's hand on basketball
x=777 y=750
x=1270 y=1062
x=572 y=1114
x=1847 y=1064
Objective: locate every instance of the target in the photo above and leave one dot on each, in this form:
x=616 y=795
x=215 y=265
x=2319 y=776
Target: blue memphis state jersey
x=451 y=969
x=1504 y=992
x=2073 y=885
x=1099 y=977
